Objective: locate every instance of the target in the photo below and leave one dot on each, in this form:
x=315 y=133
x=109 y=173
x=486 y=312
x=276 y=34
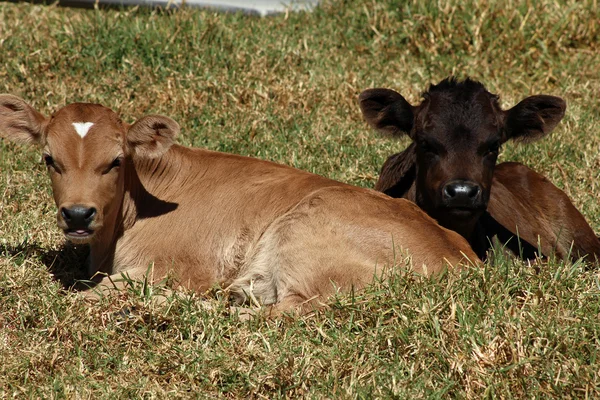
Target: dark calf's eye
x=494 y=148
x=428 y=148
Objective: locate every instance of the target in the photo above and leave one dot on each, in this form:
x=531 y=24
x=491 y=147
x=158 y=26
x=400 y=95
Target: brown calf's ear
x=19 y=122
x=151 y=136
x=534 y=117
x=386 y=111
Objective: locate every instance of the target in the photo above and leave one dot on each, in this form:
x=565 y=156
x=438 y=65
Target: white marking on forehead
x=82 y=128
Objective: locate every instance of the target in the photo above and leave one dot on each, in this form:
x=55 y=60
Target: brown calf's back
x=266 y=231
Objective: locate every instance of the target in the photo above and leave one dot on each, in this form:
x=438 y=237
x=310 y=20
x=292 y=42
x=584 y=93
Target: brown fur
x=265 y=231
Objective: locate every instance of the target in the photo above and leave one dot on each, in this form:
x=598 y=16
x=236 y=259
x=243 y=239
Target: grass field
x=285 y=89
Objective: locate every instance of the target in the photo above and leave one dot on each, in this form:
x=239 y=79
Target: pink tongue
x=80 y=232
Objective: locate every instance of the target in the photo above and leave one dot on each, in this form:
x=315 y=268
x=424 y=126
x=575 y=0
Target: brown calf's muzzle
x=77 y=222
x=85 y=198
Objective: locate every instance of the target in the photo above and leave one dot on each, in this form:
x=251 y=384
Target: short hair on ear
x=151 y=136
x=387 y=111
x=534 y=117
x=19 y=122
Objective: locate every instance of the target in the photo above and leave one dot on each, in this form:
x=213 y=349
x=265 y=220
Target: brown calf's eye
x=50 y=163
x=115 y=164
x=48 y=160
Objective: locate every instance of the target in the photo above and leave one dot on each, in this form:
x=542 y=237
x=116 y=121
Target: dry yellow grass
x=284 y=88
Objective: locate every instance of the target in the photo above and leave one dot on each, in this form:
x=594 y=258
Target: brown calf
x=268 y=231
x=448 y=170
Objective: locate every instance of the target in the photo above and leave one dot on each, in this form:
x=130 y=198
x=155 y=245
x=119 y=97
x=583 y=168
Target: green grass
x=284 y=88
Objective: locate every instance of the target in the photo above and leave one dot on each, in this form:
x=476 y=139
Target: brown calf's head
x=87 y=149
x=458 y=129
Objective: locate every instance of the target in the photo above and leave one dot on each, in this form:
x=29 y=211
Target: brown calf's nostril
x=89 y=216
x=78 y=216
x=65 y=214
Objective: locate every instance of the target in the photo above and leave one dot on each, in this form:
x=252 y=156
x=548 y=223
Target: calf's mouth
x=78 y=222
x=79 y=236
x=464 y=212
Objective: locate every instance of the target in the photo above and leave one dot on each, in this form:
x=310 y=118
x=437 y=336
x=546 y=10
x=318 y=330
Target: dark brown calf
x=448 y=170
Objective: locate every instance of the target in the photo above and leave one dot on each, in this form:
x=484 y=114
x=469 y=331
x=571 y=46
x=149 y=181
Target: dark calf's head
x=86 y=148
x=457 y=130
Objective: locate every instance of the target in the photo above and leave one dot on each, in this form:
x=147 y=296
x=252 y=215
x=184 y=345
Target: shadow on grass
x=67 y=265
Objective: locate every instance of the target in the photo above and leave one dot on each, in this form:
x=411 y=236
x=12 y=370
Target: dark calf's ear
x=19 y=122
x=151 y=136
x=398 y=172
x=386 y=111
x=534 y=117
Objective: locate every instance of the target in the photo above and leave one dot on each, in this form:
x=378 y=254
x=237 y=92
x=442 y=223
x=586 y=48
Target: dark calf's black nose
x=461 y=193
x=78 y=216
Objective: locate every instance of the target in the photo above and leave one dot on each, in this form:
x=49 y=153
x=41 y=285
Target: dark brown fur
x=466 y=126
